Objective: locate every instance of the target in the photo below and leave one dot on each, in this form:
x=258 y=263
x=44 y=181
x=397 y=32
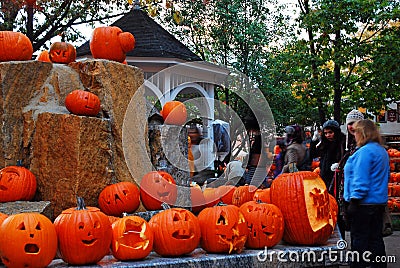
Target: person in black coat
x=330 y=149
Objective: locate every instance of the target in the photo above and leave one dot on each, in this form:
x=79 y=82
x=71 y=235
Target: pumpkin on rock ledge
x=81 y=102
x=15 y=46
x=62 y=52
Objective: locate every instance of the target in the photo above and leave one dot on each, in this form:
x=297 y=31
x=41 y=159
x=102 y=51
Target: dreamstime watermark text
x=333 y=255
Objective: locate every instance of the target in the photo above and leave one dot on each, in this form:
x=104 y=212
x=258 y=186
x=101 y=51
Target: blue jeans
x=366 y=235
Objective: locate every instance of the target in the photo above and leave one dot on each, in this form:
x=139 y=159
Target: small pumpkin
x=197 y=198
x=132 y=238
x=111 y=43
x=303 y=200
x=225 y=193
x=210 y=197
x=84 y=234
x=118 y=198
x=243 y=194
x=81 y=102
x=44 y=56
x=262 y=195
x=62 y=52
x=265 y=223
x=176 y=232
x=157 y=187
x=17 y=183
x=174 y=113
x=223 y=229
x=27 y=240
x=15 y=46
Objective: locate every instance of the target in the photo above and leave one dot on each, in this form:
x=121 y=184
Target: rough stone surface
x=42 y=207
x=73 y=155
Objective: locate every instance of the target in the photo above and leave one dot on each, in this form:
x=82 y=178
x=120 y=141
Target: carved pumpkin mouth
x=3 y=188
x=163 y=194
x=31 y=248
x=89 y=242
x=180 y=235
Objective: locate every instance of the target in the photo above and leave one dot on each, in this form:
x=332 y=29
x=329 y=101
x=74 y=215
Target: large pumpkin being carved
x=81 y=102
x=111 y=43
x=27 y=240
x=84 y=234
x=17 y=184
x=156 y=188
x=15 y=46
x=223 y=229
x=176 y=232
x=118 y=198
x=303 y=200
x=265 y=223
x=132 y=238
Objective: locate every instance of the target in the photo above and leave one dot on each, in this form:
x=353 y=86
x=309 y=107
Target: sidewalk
x=392 y=248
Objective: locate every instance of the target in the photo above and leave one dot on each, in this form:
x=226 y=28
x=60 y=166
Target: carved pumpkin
x=118 y=198
x=176 y=232
x=265 y=223
x=15 y=46
x=84 y=234
x=81 y=102
x=157 y=187
x=132 y=238
x=174 y=113
x=225 y=193
x=197 y=198
x=262 y=195
x=17 y=184
x=243 y=194
x=44 y=56
x=223 y=229
x=303 y=200
x=27 y=240
x=111 y=43
x=62 y=52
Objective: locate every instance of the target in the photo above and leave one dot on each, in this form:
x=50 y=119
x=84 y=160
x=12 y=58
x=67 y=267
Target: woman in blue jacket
x=366 y=190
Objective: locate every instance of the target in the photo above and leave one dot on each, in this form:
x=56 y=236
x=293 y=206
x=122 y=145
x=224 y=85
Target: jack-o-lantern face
x=118 y=198
x=84 y=234
x=27 y=240
x=62 y=52
x=157 y=187
x=81 y=102
x=265 y=223
x=132 y=238
x=176 y=232
x=16 y=183
x=304 y=202
x=223 y=229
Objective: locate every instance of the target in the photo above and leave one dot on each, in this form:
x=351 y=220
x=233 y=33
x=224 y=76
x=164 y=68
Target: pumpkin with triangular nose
x=303 y=200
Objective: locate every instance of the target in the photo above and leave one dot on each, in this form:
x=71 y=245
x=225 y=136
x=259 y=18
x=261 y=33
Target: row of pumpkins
x=107 y=42
x=300 y=211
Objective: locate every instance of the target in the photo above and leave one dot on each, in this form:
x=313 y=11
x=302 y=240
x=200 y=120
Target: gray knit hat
x=354 y=116
x=332 y=124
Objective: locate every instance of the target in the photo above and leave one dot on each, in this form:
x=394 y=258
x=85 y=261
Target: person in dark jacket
x=330 y=149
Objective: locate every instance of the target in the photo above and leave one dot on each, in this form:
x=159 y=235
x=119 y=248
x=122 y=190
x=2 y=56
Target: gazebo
x=169 y=67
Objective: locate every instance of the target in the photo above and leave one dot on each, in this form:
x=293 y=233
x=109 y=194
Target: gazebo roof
x=151 y=39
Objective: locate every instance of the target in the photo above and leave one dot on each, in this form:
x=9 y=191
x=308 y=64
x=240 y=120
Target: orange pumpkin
x=132 y=238
x=118 y=198
x=303 y=200
x=265 y=223
x=2 y=217
x=174 y=113
x=111 y=43
x=15 y=46
x=157 y=187
x=225 y=193
x=223 y=229
x=210 y=196
x=176 y=232
x=81 y=102
x=84 y=234
x=62 y=52
x=44 y=56
x=27 y=240
x=17 y=184
x=243 y=194
x=197 y=198
x=262 y=195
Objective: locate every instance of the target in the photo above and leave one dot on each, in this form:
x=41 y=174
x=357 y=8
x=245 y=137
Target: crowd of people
x=354 y=166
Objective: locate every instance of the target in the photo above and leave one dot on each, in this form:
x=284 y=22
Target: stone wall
x=71 y=155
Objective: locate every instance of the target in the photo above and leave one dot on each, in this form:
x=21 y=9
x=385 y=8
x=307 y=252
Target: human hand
x=316 y=135
x=334 y=166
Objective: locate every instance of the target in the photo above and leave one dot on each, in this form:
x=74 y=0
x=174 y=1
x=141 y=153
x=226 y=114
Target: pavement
x=392 y=245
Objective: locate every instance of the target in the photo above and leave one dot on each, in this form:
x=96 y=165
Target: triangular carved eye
x=222 y=219
x=176 y=217
x=96 y=224
x=38 y=227
x=21 y=226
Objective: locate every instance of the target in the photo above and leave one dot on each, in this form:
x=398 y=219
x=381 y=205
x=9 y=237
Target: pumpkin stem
x=19 y=163
x=80 y=203
x=165 y=206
